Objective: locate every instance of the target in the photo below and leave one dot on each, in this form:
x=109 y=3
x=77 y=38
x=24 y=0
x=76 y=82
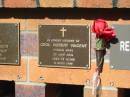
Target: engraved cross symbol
x=63 y=31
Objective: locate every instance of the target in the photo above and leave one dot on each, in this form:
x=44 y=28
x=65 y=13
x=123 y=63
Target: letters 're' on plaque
x=120 y=52
x=9 y=43
x=64 y=46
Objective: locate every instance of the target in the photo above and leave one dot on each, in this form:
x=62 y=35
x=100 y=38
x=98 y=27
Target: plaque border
x=73 y=67
x=18 y=63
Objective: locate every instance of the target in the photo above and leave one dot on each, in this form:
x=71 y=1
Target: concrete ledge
x=30 y=83
x=102 y=92
x=27 y=89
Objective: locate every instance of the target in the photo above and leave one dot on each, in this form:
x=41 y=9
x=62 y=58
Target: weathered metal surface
x=9 y=43
x=64 y=46
x=120 y=52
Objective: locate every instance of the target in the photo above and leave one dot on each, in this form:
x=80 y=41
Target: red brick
x=94 y=3
x=32 y=24
x=13 y=20
x=56 y=3
x=124 y=3
x=20 y=3
x=16 y=73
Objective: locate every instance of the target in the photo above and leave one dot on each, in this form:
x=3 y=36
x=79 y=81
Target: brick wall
x=80 y=12
x=29 y=19
x=65 y=3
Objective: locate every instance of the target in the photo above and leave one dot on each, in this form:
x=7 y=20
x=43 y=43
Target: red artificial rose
x=99 y=26
x=101 y=29
x=108 y=34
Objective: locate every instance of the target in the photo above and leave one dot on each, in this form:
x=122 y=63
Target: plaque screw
x=40 y=63
x=41 y=78
x=86 y=65
x=112 y=67
x=16 y=61
x=112 y=84
x=40 y=26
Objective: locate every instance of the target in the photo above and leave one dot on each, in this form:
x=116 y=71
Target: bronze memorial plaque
x=9 y=43
x=64 y=46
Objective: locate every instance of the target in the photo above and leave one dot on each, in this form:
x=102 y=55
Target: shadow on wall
x=7 y=89
x=66 y=13
x=57 y=90
x=124 y=92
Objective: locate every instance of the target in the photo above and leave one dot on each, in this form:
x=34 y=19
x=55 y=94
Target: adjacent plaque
x=120 y=52
x=64 y=46
x=9 y=43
